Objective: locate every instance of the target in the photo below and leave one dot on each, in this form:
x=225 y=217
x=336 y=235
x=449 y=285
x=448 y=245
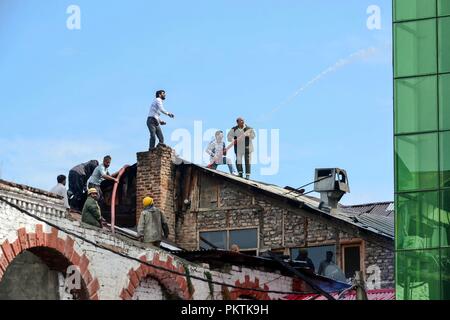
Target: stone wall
x=218 y=204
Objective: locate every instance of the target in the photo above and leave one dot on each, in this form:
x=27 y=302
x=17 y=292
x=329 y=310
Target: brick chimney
x=155 y=178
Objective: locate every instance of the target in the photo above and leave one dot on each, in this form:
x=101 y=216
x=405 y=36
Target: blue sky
x=69 y=96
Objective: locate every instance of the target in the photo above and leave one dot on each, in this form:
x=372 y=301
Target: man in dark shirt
x=303 y=256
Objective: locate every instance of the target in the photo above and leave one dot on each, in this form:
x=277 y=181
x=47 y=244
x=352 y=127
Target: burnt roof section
x=378 y=208
x=217 y=258
x=308 y=203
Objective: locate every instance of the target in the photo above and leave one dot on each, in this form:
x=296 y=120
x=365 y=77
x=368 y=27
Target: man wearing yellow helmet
x=152 y=226
x=91 y=210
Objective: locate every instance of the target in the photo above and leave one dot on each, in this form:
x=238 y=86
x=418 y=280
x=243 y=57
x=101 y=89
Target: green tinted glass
x=414 y=9
x=418 y=275
x=445 y=159
x=417 y=162
x=445 y=218
x=445 y=274
x=444 y=44
x=415 y=48
x=417 y=220
x=444 y=7
x=444 y=102
x=416 y=104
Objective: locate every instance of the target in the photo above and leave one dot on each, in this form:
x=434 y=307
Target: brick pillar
x=155 y=178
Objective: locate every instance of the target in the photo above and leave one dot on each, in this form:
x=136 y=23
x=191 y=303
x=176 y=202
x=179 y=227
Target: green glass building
x=421 y=31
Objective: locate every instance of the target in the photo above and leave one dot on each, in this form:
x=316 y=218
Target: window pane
x=445 y=159
x=416 y=104
x=416 y=162
x=417 y=220
x=414 y=9
x=445 y=218
x=444 y=7
x=444 y=45
x=213 y=239
x=418 y=275
x=316 y=254
x=415 y=48
x=444 y=101
x=245 y=239
x=445 y=274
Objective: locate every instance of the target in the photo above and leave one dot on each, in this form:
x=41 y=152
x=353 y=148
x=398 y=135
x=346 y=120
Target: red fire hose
x=113 y=199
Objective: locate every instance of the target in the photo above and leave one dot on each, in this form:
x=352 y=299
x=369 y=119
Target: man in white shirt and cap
x=154 y=122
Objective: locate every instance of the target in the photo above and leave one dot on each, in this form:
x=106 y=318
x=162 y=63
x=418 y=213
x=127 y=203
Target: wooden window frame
x=228 y=244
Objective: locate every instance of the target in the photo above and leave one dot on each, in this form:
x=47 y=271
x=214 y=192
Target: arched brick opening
x=175 y=285
x=245 y=292
x=57 y=253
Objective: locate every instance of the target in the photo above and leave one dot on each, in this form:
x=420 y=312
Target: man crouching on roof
x=91 y=211
x=152 y=226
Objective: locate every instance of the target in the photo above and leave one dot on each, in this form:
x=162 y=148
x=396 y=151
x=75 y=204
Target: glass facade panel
x=443 y=7
x=414 y=9
x=445 y=274
x=417 y=222
x=418 y=275
x=417 y=162
x=416 y=104
x=444 y=102
x=444 y=44
x=415 y=48
x=445 y=218
x=445 y=159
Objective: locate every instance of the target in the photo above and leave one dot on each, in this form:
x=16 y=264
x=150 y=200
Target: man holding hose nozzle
x=242 y=135
x=154 y=123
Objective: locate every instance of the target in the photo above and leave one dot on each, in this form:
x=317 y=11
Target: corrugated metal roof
x=381 y=294
x=380 y=223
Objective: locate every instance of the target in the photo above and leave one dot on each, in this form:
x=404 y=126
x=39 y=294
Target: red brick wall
x=155 y=178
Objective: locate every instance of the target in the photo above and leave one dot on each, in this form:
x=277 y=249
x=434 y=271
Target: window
x=444 y=44
x=213 y=240
x=316 y=254
x=416 y=162
x=246 y=239
x=443 y=7
x=415 y=48
x=416 y=104
x=418 y=275
x=351 y=260
x=414 y=9
x=417 y=220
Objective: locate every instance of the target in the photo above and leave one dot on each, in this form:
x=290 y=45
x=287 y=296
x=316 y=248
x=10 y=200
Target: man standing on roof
x=242 y=135
x=154 y=123
x=101 y=174
x=152 y=226
x=91 y=211
x=60 y=190
x=218 y=152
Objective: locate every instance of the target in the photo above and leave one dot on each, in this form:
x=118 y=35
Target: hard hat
x=147 y=201
x=92 y=190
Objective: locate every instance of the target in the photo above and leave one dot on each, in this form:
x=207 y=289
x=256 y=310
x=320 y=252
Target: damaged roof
x=376 y=224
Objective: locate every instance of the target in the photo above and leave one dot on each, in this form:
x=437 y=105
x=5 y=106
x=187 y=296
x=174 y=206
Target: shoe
x=240 y=175
x=247 y=177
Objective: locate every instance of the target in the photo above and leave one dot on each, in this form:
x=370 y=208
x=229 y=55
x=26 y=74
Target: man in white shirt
x=60 y=190
x=218 y=152
x=154 y=122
